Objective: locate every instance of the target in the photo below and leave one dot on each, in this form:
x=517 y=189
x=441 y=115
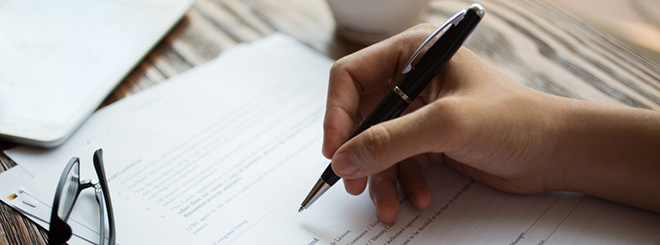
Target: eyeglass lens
x=69 y=192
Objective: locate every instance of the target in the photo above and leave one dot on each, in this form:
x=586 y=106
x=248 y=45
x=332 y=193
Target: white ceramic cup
x=370 y=21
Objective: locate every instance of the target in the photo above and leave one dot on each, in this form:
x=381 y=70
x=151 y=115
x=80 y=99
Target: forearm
x=612 y=152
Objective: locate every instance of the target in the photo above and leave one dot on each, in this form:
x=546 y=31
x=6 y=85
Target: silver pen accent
x=318 y=190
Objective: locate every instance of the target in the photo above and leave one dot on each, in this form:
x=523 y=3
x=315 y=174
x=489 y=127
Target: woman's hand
x=471 y=117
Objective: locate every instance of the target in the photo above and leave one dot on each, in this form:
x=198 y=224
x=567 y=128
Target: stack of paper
x=226 y=152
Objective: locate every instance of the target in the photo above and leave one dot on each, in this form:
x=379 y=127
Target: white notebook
x=60 y=59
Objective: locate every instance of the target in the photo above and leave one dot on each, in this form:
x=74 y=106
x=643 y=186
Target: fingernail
x=344 y=164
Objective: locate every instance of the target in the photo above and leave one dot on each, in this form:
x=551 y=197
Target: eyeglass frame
x=60 y=231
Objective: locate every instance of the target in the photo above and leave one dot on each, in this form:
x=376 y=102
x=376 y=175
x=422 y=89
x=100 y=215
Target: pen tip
x=301 y=209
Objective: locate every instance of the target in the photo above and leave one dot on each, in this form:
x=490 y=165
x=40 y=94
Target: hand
x=471 y=117
x=470 y=113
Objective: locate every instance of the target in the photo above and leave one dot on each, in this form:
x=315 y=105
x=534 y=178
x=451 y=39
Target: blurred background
x=635 y=22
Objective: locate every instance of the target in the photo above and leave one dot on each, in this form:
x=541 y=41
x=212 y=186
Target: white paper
x=225 y=153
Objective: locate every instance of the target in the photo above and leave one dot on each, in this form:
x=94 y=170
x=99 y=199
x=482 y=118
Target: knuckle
x=424 y=26
x=377 y=142
x=339 y=65
x=417 y=32
x=455 y=124
x=420 y=29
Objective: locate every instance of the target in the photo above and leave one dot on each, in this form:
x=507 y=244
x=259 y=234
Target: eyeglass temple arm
x=99 y=199
x=100 y=172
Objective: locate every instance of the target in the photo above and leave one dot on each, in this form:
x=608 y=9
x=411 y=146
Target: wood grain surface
x=532 y=41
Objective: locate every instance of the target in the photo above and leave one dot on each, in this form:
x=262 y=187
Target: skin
x=486 y=126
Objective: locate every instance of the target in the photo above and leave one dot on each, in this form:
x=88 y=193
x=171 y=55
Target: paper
x=225 y=153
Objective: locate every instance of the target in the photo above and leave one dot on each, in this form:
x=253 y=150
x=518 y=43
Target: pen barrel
x=430 y=64
x=390 y=107
x=408 y=88
x=329 y=175
x=416 y=80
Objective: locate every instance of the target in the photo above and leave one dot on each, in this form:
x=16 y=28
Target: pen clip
x=451 y=21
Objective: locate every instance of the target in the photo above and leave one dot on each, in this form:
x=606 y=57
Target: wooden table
x=534 y=42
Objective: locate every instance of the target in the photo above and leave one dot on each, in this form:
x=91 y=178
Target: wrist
x=609 y=151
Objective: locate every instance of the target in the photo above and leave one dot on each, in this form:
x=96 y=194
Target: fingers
x=362 y=72
x=355 y=186
x=411 y=178
x=383 y=192
x=385 y=144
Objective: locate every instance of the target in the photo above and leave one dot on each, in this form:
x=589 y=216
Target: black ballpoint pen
x=416 y=78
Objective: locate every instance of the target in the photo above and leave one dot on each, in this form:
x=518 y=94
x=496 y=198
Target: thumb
x=384 y=145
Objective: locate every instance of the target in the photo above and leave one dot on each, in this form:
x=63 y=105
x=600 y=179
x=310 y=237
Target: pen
x=416 y=78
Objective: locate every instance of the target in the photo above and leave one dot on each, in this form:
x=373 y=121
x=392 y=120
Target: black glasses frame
x=68 y=190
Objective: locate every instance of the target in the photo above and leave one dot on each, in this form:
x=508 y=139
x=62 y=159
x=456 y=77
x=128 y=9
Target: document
x=225 y=153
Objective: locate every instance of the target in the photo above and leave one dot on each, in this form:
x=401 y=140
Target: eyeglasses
x=68 y=190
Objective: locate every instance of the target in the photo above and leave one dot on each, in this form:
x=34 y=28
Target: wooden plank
x=19 y=229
